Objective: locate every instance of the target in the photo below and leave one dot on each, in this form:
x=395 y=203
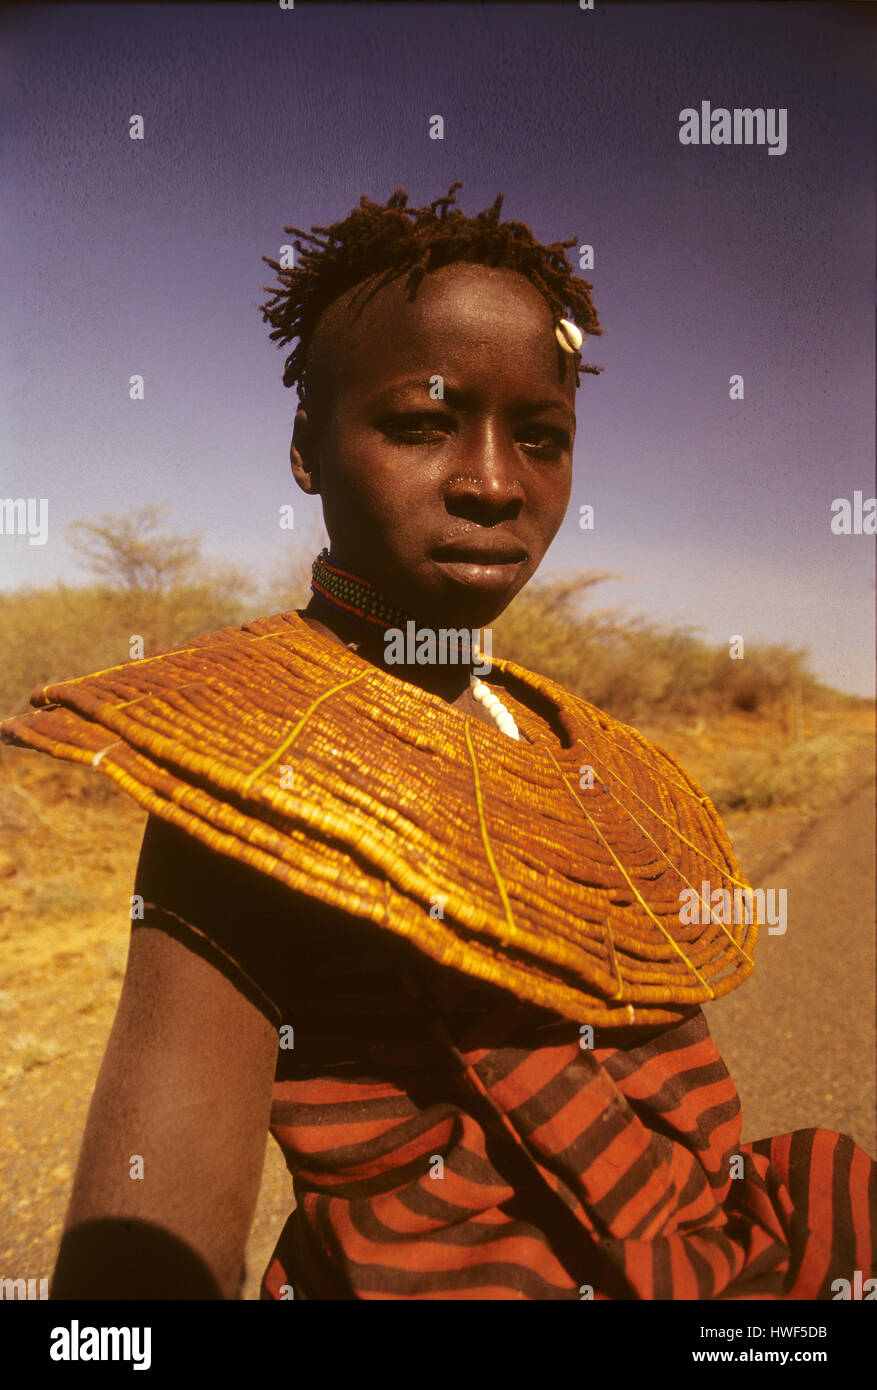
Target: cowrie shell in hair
x=569 y=336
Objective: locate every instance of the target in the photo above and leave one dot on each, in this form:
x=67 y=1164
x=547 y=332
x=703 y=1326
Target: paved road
x=799 y=1036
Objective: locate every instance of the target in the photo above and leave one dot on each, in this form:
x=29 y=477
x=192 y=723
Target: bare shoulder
x=176 y=1134
x=182 y=1014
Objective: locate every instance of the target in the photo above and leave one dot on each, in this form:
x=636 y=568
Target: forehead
x=472 y=317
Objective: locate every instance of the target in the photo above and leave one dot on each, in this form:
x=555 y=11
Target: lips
x=500 y=552
x=486 y=566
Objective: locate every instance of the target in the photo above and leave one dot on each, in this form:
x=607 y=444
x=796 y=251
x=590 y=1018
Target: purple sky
x=124 y=257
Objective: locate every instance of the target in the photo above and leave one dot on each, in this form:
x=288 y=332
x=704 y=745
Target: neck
x=447 y=681
x=351 y=611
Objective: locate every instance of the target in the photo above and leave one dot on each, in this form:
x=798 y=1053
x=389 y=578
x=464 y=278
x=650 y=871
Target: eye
x=415 y=427
x=548 y=441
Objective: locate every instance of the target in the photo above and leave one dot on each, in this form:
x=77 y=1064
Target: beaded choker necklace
x=358 y=600
x=354 y=597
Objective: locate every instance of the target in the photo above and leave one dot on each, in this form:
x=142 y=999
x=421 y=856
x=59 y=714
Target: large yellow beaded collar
x=506 y=860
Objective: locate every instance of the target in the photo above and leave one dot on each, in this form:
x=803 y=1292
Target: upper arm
x=185 y=1085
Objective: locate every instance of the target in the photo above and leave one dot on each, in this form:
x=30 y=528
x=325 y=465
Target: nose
x=487 y=488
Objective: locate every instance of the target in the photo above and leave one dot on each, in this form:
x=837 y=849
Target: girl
x=422 y=925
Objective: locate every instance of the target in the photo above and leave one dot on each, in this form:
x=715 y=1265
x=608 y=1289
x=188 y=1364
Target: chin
x=470 y=594
x=472 y=607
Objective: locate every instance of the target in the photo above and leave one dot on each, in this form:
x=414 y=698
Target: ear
x=304 y=454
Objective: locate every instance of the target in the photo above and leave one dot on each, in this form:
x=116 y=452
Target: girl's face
x=445 y=503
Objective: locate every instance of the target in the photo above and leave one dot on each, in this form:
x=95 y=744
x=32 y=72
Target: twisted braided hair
x=386 y=240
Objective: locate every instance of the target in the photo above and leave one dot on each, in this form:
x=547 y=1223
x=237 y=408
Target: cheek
x=386 y=477
x=369 y=492
x=357 y=472
x=383 y=488
x=382 y=474
x=550 y=501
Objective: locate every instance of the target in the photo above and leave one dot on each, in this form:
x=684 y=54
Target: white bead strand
x=495 y=707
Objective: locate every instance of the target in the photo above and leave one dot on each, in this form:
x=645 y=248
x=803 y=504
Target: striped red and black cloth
x=448 y=1141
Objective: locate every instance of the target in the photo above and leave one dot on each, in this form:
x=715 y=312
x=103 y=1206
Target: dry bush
x=800 y=774
x=55 y=633
x=289 y=586
x=632 y=667
x=150 y=584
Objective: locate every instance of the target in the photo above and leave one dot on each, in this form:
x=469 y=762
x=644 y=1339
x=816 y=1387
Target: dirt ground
x=798 y=1038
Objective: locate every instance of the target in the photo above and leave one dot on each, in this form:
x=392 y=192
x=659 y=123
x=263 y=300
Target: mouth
x=481 y=565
